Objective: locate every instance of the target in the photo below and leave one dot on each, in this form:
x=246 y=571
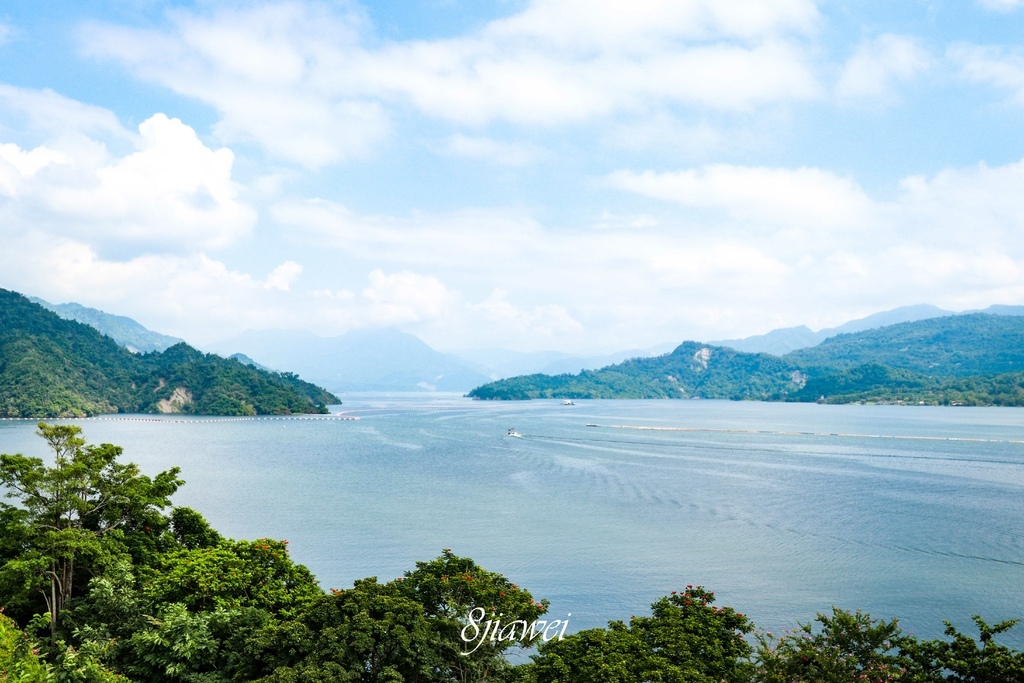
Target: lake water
x=782 y=509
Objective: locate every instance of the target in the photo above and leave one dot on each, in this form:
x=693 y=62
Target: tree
x=70 y=508
x=847 y=647
x=415 y=628
x=687 y=639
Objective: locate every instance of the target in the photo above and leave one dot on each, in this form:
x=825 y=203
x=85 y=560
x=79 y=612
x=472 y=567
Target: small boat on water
x=568 y=402
x=513 y=432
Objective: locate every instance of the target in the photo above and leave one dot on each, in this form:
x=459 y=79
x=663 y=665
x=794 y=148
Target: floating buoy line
x=227 y=418
x=709 y=430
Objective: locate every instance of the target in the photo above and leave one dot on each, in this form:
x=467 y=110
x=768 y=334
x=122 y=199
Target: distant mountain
x=245 y=360
x=125 y=331
x=51 y=367
x=362 y=360
x=500 y=363
x=782 y=341
x=959 y=359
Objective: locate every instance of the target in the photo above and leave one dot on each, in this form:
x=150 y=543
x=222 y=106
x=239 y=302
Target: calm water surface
x=782 y=509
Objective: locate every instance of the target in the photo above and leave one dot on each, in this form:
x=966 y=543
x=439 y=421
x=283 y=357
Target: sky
x=580 y=175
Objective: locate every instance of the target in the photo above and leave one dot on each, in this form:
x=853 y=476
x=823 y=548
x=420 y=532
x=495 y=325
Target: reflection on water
x=783 y=510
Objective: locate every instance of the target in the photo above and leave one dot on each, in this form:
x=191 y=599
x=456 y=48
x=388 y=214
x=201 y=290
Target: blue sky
x=533 y=174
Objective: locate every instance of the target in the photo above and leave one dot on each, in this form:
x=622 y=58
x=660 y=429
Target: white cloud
x=878 y=65
x=760 y=197
x=550 y=321
x=1001 y=5
x=282 y=277
x=301 y=80
x=17 y=166
x=172 y=192
x=999 y=67
x=406 y=297
x=55 y=116
x=274 y=73
x=469 y=239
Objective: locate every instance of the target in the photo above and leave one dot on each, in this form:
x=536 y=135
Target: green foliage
x=231 y=575
x=409 y=629
x=951 y=346
x=191 y=530
x=686 y=639
x=124 y=331
x=19 y=662
x=693 y=370
x=847 y=647
x=51 y=367
x=70 y=508
x=961 y=660
x=369 y=633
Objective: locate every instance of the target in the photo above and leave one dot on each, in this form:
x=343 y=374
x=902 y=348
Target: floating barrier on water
x=709 y=430
x=167 y=420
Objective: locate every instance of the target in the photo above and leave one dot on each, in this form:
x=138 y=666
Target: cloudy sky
x=586 y=175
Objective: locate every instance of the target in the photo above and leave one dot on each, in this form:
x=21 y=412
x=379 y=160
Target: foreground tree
x=69 y=509
x=413 y=629
x=687 y=639
x=846 y=647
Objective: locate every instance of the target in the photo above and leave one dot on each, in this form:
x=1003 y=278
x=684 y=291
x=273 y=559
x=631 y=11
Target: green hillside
x=975 y=359
x=123 y=330
x=50 y=367
x=692 y=370
x=952 y=346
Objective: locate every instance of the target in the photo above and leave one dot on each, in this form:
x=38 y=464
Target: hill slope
x=951 y=346
x=692 y=370
x=50 y=367
x=125 y=331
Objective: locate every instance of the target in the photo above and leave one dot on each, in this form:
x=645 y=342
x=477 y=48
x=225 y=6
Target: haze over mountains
x=391 y=360
x=362 y=360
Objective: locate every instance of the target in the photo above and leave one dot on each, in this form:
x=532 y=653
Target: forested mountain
x=50 y=366
x=782 y=341
x=125 y=331
x=692 y=370
x=965 y=359
x=951 y=346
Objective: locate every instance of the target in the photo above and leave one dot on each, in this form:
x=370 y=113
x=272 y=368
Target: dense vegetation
x=50 y=367
x=693 y=370
x=973 y=359
x=102 y=580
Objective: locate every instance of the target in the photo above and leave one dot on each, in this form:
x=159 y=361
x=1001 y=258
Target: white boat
x=512 y=432
x=567 y=402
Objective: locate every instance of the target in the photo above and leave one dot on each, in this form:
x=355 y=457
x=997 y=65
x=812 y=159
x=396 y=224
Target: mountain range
x=975 y=359
x=391 y=360
x=781 y=341
x=53 y=367
x=362 y=360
